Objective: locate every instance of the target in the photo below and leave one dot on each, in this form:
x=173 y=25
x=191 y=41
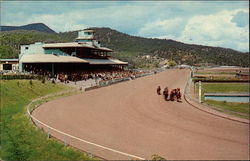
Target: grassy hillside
x=19 y=139
x=169 y=49
x=130 y=48
x=10 y=41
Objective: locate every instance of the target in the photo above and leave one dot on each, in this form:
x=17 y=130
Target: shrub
x=20 y=76
x=172 y=63
x=31 y=83
x=53 y=81
x=156 y=157
x=43 y=80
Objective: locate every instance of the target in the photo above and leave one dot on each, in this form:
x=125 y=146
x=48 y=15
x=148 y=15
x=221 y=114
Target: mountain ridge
x=130 y=48
x=34 y=26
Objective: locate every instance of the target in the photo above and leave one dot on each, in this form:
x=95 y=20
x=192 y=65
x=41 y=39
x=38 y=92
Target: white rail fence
x=74 y=141
x=114 y=81
x=79 y=143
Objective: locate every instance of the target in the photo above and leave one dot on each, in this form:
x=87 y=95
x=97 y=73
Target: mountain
x=35 y=26
x=169 y=49
x=138 y=51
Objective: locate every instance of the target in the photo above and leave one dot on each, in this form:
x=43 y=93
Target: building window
x=7 y=66
x=26 y=48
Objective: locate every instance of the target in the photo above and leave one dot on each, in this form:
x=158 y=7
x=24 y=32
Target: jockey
x=178 y=94
x=165 y=93
x=159 y=90
x=172 y=94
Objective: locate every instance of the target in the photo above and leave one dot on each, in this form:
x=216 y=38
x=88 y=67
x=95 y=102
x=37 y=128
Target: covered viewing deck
x=59 y=63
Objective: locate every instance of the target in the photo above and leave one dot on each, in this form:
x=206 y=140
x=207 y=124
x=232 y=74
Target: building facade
x=85 y=51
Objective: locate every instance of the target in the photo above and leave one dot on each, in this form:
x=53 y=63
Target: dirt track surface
x=132 y=118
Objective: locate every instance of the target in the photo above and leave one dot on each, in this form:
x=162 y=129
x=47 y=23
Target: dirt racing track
x=130 y=117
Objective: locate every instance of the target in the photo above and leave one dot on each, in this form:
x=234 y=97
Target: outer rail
x=74 y=137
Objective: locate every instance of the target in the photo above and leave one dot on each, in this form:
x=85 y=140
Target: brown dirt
x=132 y=118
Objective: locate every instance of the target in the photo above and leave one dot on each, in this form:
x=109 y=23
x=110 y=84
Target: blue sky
x=214 y=23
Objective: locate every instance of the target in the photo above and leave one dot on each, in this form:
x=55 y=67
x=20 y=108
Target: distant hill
x=35 y=26
x=130 y=48
x=169 y=49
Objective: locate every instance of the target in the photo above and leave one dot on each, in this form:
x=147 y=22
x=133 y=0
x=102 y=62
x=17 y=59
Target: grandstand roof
x=106 y=61
x=50 y=58
x=75 y=44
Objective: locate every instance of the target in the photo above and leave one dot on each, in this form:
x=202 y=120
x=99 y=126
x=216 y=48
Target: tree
x=172 y=63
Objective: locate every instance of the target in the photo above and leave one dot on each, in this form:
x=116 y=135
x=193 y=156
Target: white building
x=85 y=51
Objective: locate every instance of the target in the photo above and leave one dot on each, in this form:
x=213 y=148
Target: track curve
x=130 y=117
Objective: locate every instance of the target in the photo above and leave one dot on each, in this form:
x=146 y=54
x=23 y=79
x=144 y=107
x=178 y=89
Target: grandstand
x=84 y=56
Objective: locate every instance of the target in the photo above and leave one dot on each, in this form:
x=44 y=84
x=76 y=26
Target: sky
x=213 y=23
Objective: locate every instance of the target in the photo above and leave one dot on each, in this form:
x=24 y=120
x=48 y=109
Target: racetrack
x=130 y=117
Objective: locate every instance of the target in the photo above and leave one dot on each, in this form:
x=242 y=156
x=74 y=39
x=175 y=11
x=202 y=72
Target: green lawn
x=19 y=139
x=237 y=109
x=225 y=87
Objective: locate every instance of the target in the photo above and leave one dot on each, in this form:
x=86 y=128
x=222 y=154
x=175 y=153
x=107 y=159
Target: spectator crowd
x=105 y=74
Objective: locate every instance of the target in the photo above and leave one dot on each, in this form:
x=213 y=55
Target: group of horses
x=175 y=94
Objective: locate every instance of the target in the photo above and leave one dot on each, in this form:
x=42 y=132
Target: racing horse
x=165 y=93
x=178 y=94
x=172 y=95
x=158 y=90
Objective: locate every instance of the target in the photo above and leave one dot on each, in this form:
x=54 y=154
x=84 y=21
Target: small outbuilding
x=9 y=64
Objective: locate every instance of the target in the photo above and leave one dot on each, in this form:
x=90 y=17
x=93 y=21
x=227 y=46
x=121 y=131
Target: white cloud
x=124 y=18
x=190 y=22
x=162 y=27
x=61 y=22
x=213 y=30
x=216 y=30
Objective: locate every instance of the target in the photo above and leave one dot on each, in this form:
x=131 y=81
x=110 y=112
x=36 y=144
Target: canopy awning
x=75 y=45
x=50 y=58
x=106 y=61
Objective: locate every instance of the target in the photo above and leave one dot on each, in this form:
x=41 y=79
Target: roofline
x=90 y=47
x=84 y=38
x=108 y=50
x=57 y=62
x=88 y=30
x=16 y=59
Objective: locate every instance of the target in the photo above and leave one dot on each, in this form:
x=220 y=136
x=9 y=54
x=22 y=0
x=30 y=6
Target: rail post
x=48 y=133
x=65 y=140
x=90 y=153
x=199 y=91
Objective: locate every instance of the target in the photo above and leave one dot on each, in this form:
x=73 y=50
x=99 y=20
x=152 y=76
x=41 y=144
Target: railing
x=190 y=95
x=114 y=81
x=75 y=141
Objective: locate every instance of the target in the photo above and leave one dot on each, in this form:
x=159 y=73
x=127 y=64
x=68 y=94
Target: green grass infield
x=20 y=140
x=236 y=109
